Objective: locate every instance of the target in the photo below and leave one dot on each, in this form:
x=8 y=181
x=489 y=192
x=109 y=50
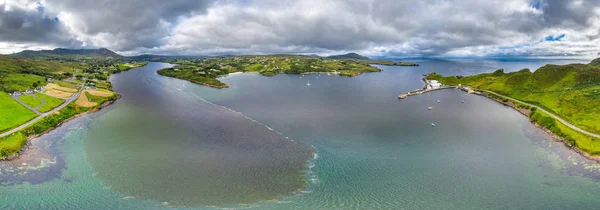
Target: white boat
x=308 y=83
x=438 y=101
x=429 y=108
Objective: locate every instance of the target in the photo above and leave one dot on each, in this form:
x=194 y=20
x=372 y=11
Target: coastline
x=24 y=149
x=254 y=72
x=524 y=111
x=16 y=155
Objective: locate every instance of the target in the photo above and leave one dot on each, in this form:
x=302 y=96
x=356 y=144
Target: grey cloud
x=376 y=27
x=128 y=24
x=18 y=25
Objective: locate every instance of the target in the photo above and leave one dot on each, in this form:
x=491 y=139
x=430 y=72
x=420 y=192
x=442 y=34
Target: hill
x=569 y=91
x=18 y=73
x=349 y=56
x=595 y=62
x=70 y=54
x=364 y=59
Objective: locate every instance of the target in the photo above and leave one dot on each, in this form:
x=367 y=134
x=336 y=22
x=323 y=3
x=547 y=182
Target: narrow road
x=552 y=115
x=41 y=99
x=42 y=115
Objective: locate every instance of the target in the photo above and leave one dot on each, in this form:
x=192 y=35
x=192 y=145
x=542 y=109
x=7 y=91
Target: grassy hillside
x=570 y=91
x=349 y=56
x=21 y=73
x=71 y=54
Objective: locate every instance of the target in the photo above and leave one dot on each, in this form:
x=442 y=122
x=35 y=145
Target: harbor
x=433 y=85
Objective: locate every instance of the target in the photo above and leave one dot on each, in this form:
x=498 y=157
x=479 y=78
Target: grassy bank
x=572 y=138
x=12 y=144
x=585 y=143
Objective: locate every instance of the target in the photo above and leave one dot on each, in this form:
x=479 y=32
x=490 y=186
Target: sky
x=390 y=28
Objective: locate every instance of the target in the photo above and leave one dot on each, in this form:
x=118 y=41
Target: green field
x=12 y=114
x=65 y=84
x=12 y=144
x=51 y=102
x=20 y=82
x=31 y=101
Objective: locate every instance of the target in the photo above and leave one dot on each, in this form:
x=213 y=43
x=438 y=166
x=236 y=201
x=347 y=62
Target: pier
x=433 y=85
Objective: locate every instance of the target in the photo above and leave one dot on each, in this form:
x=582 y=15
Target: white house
x=433 y=84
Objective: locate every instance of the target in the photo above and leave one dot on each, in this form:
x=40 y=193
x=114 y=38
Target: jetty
x=433 y=85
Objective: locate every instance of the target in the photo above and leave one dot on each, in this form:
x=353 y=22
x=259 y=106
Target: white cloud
x=371 y=27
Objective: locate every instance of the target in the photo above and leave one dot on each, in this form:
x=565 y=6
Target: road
x=551 y=115
x=31 y=122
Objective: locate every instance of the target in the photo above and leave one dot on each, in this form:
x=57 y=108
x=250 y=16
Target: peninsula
x=205 y=71
x=563 y=99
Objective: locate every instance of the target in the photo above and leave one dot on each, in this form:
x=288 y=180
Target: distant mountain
x=70 y=54
x=149 y=57
x=162 y=58
x=349 y=56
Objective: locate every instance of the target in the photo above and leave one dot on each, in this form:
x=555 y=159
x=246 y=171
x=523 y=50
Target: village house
x=16 y=94
x=434 y=84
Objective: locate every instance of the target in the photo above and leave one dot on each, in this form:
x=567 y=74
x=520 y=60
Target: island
x=562 y=99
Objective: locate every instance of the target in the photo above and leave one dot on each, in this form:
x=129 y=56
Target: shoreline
x=25 y=147
x=338 y=73
x=552 y=135
x=524 y=112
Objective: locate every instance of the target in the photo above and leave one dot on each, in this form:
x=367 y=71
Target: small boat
x=429 y=108
x=463 y=101
x=438 y=101
x=432 y=125
x=308 y=83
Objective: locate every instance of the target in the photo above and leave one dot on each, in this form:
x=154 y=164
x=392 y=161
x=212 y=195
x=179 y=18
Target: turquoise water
x=150 y=149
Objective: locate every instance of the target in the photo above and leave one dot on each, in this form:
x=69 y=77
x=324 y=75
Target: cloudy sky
x=394 y=28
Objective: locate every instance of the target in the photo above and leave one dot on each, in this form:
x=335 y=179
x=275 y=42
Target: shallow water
x=163 y=143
